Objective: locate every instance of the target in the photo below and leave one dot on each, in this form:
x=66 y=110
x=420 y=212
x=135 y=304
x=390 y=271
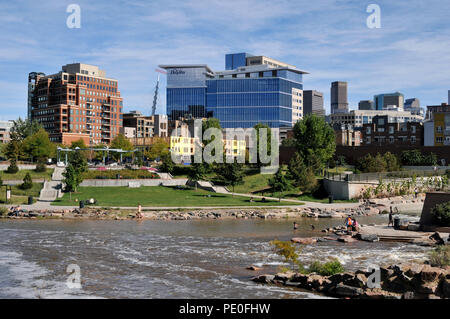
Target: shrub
x=441 y=214
x=27 y=182
x=440 y=256
x=40 y=167
x=288 y=251
x=12 y=168
x=416 y=158
x=4 y=211
x=327 y=269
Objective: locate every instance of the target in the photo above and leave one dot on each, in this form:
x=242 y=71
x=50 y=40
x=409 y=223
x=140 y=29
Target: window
x=413 y=129
x=391 y=130
x=368 y=130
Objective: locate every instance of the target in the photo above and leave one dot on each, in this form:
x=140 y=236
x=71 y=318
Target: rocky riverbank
x=367 y=208
x=395 y=282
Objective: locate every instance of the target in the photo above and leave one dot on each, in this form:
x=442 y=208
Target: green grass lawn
x=20 y=196
x=21 y=174
x=158 y=196
x=253 y=183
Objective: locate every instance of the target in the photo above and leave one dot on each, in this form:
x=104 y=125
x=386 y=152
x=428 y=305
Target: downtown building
x=251 y=90
x=79 y=102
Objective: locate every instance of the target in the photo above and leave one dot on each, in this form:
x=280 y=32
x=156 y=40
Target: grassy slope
x=21 y=174
x=158 y=196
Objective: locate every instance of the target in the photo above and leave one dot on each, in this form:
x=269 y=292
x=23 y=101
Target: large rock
x=358 y=281
x=445 y=288
x=263 y=279
x=340 y=278
x=342 y=290
x=368 y=237
x=378 y=293
x=430 y=274
x=346 y=239
x=284 y=276
x=304 y=241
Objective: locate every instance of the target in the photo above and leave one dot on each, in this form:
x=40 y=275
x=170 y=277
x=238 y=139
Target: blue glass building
x=267 y=91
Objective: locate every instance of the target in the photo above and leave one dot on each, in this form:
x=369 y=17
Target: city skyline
x=130 y=40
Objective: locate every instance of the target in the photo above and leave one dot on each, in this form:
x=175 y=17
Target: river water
x=168 y=259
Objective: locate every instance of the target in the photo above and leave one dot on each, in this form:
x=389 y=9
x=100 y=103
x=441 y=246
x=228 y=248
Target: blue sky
x=410 y=53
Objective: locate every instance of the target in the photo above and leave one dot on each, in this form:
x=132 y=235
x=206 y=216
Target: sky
x=329 y=39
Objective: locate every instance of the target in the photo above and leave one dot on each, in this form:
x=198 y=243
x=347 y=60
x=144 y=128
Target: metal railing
x=391 y=176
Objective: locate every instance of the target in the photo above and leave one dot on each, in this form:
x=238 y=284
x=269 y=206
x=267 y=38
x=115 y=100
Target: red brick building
x=79 y=102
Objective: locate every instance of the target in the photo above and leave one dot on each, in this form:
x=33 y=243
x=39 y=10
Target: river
x=168 y=259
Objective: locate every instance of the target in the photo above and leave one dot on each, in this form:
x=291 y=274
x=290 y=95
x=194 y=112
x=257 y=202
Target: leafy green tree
x=27 y=182
x=12 y=168
x=40 y=166
x=289 y=252
x=315 y=140
x=302 y=175
x=78 y=143
x=78 y=160
x=22 y=129
x=167 y=164
x=279 y=183
x=14 y=150
x=121 y=142
x=72 y=179
x=231 y=174
x=197 y=172
x=38 y=146
x=392 y=162
x=157 y=149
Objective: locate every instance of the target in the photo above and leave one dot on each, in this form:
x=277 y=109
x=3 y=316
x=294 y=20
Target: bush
x=124 y=174
x=387 y=162
x=40 y=167
x=27 y=182
x=441 y=214
x=327 y=269
x=288 y=251
x=440 y=256
x=4 y=211
x=416 y=158
x=12 y=168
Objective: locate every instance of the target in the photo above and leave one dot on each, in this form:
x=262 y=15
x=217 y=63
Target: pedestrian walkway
x=52 y=189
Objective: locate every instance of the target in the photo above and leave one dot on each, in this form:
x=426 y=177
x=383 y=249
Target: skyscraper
x=253 y=89
x=389 y=100
x=366 y=105
x=313 y=102
x=79 y=102
x=339 y=100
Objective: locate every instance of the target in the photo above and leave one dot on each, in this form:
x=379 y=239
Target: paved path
x=52 y=189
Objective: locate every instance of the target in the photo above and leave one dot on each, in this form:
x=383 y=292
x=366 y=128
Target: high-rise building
x=413 y=105
x=357 y=118
x=252 y=90
x=5 y=128
x=77 y=102
x=339 y=100
x=389 y=101
x=437 y=129
x=146 y=126
x=313 y=102
x=366 y=105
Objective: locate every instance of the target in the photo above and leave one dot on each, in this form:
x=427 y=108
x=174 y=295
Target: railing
x=375 y=177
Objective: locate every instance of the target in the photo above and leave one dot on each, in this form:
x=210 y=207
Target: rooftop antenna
x=155 y=97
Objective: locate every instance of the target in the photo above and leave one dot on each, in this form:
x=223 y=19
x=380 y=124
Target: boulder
x=254 y=268
x=304 y=241
x=358 y=281
x=378 y=293
x=315 y=282
x=346 y=239
x=301 y=279
x=263 y=279
x=430 y=274
x=342 y=290
x=340 y=278
x=445 y=289
x=284 y=276
x=368 y=237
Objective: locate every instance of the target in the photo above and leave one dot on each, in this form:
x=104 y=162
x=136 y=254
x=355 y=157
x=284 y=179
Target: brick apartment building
x=79 y=102
x=382 y=132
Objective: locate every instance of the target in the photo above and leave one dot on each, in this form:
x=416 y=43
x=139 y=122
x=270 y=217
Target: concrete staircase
x=53 y=189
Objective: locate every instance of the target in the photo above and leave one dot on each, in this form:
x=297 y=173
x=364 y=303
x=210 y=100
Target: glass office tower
x=239 y=98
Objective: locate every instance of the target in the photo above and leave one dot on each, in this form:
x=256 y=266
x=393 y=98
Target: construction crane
x=155 y=97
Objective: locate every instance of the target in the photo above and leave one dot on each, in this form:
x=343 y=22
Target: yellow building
x=185 y=146
x=440 y=119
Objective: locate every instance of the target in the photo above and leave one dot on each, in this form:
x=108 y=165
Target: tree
x=167 y=163
x=289 y=252
x=230 y=173
x=79 y=143
x=157 y=149
x=22 y=129
x=12 y=168
x=197 y=172
x=315 y=140
x=27 y=182
x=279 y=183
x=72 y=179
x=441 y=214
x=78 y=160
x=39 y=146
x=14 y=150
x=207 y=124
x=121 y=142
x=302 y=175
x=258 y=130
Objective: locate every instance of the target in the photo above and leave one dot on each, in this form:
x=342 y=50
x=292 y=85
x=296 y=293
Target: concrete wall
x=345 y=190
x=431 y=200
x=125 y=182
